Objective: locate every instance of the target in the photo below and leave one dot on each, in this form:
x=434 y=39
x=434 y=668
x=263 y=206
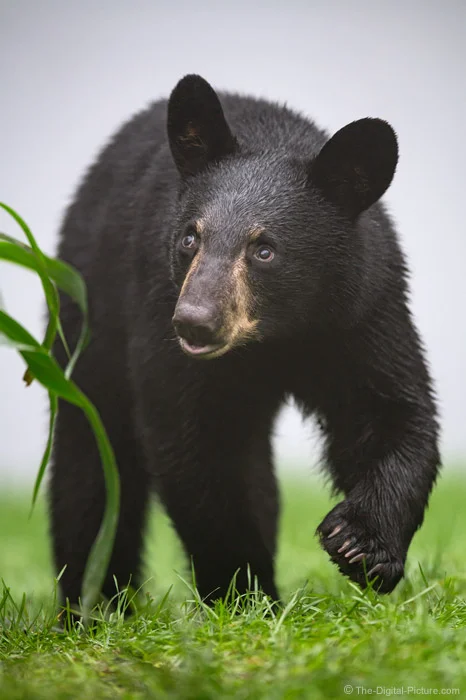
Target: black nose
x=198 y=325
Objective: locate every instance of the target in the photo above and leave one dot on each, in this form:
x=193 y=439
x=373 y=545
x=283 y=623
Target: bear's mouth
x=204 y=351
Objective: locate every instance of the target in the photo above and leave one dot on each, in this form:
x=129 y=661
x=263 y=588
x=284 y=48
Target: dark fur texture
x=324 y=320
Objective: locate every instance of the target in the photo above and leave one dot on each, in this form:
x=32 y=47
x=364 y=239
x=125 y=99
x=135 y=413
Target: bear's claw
x=345 y=545
x=374 y=569
x=335 y=531
x=358 y=557
x=359 y=551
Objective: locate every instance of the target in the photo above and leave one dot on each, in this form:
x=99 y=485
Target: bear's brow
x=199 y=225
x=255 y=232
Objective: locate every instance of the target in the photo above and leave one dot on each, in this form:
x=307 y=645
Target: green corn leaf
x=63 y=275
x=49 y=373
x=53 y=403
x=17 y=336
x=72 y=283
x=99 y=557
x=66 y=277
x=49 y=288
x=42 y=366
x=51 y=376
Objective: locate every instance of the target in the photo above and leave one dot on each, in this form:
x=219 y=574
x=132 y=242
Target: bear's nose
x=198 y=325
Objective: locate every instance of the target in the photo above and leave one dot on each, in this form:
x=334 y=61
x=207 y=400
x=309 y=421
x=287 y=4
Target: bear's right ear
x=356 y=166
x=198 y=133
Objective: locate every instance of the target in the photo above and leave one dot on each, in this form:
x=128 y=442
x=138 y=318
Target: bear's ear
x=356 y=166
x=197 y=130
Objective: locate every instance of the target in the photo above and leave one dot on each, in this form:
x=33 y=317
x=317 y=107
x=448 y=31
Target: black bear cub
x=236 y=256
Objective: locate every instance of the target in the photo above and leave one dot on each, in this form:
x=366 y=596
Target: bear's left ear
x=197 y=129
x=356 y=166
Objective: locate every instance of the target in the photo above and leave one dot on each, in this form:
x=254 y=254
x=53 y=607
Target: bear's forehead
x=242 y=200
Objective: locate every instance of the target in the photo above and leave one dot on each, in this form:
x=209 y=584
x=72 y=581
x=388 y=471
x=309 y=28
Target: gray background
x=71 y=72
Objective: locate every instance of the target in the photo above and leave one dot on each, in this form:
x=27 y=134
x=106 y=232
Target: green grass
x=328 y=636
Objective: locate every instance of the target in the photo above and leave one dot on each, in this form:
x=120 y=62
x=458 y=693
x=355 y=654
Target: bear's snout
x=198 y=328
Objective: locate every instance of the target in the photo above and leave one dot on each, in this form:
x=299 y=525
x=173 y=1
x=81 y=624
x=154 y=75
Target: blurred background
x=71 y=73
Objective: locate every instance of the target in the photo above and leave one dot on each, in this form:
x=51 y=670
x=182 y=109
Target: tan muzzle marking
x=237 y=302
x=192 y=269
x=239 y=324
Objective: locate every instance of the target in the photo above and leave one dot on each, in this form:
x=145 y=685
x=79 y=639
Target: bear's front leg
x=372 y=392
x=385 y=462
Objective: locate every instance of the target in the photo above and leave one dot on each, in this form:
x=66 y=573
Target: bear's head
x=265 y=242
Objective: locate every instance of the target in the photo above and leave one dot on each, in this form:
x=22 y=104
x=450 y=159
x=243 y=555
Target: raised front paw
x=359 y=551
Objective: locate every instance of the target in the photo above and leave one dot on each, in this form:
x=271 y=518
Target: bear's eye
x=189 y=241
x=264 y=253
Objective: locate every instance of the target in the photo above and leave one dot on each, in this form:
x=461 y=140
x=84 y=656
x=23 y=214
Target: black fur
x=333 y=330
